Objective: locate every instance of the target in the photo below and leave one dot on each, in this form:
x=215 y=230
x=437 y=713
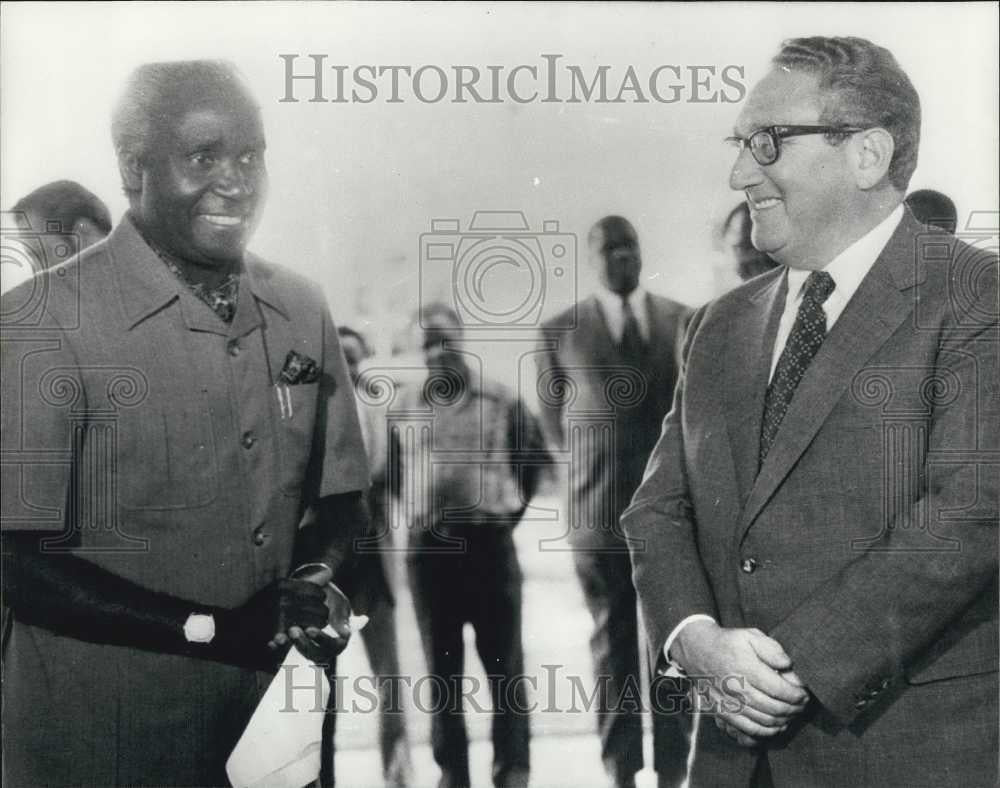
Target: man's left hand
x=315 y=644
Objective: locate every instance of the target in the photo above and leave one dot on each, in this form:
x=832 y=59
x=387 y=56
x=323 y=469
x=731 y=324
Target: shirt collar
x=258 y=277
x=146 y=285
x=613 y=301
x=852 y=265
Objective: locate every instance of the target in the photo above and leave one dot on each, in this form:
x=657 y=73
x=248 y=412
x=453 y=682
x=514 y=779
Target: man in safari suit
x=168 y=413
x=828 y=473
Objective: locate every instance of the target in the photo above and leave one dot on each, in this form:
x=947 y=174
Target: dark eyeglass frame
x=775 y=134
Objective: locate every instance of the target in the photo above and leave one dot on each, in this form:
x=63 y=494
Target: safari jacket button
x=259 y=538
x=234 y=347
x=748 y=565
x=248 y=440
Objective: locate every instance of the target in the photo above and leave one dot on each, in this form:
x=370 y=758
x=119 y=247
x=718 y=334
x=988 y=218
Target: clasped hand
x=291 y=610
x=747 y=680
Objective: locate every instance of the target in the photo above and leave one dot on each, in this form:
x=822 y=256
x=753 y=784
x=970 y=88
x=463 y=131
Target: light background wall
x=353 y=186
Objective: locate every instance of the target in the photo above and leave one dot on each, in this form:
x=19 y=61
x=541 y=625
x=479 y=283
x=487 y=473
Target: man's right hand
x=750 y=686
x=256 y=630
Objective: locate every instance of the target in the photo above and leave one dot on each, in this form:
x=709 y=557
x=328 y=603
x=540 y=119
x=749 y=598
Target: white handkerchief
x=280 y=747
x=282 y=743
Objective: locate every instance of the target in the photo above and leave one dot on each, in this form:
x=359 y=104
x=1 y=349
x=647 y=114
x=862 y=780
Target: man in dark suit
x=604 y=388
x=827 y=474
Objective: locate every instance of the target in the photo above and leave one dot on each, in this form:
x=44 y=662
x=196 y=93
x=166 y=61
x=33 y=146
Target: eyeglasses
x=765 y=144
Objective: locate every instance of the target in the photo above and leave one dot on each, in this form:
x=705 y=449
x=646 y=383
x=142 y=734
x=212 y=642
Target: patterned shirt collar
x=222 y=299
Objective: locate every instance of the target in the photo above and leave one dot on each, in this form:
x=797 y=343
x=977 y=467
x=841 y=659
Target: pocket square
x=298 y=369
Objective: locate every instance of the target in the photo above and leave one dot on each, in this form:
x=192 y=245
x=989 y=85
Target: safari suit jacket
x=148 y=437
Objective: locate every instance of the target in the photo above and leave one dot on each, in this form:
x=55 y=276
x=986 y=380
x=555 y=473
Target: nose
x=746 y=172
x=232 y=181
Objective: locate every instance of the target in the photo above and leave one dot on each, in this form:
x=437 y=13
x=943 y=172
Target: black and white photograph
x=550 y=394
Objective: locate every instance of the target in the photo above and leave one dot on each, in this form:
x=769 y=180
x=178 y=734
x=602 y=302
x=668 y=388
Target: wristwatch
x=199 y=628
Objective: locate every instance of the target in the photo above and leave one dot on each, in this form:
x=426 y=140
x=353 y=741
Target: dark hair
x=933 y=207
x=609 y=222
x=66 y=202
x=864 y=86
x=153 y=89
x=347 y=331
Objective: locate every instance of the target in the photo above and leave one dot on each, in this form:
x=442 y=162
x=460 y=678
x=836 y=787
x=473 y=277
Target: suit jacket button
x=748 y=565
x=259 y=537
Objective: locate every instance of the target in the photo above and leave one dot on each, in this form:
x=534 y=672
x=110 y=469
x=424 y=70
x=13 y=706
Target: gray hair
x=866 y=87
x=152 y=92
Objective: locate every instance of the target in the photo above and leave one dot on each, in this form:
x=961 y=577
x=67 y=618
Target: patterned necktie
x=804 y=340
x=632 y=345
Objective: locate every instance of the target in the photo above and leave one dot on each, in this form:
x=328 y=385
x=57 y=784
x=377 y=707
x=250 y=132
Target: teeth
x=222 y=220
x=769 y=202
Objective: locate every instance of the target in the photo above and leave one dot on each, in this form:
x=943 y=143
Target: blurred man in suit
x=827 y=474
x=620 y=362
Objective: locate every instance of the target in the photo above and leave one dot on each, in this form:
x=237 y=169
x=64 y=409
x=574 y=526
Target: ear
x=130 y=167
x=874 y=149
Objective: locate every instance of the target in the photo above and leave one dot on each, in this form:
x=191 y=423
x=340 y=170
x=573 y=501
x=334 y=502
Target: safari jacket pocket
x=295 y=408
x=166 y=458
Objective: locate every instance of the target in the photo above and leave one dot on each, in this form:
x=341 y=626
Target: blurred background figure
x=620 y=360
x=462 y=561
x=49 y=226
x=741 y=256
x=933 y=208
x=369 y=578
x=43 y=229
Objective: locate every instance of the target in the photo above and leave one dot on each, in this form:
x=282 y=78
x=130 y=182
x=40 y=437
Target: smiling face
x=800 y=204
x=203 y=179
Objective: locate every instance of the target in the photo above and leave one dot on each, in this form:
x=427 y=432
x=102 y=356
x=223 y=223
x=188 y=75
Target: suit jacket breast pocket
x=295 y=410
x=166 y=457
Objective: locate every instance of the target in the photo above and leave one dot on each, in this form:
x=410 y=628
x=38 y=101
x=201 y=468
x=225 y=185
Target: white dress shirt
x=613 y=308
x=847 y=270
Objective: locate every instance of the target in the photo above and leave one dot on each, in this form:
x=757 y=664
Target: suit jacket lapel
x=660 y=342
x=749 y=348
x=873 y=314
x=600 y=339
